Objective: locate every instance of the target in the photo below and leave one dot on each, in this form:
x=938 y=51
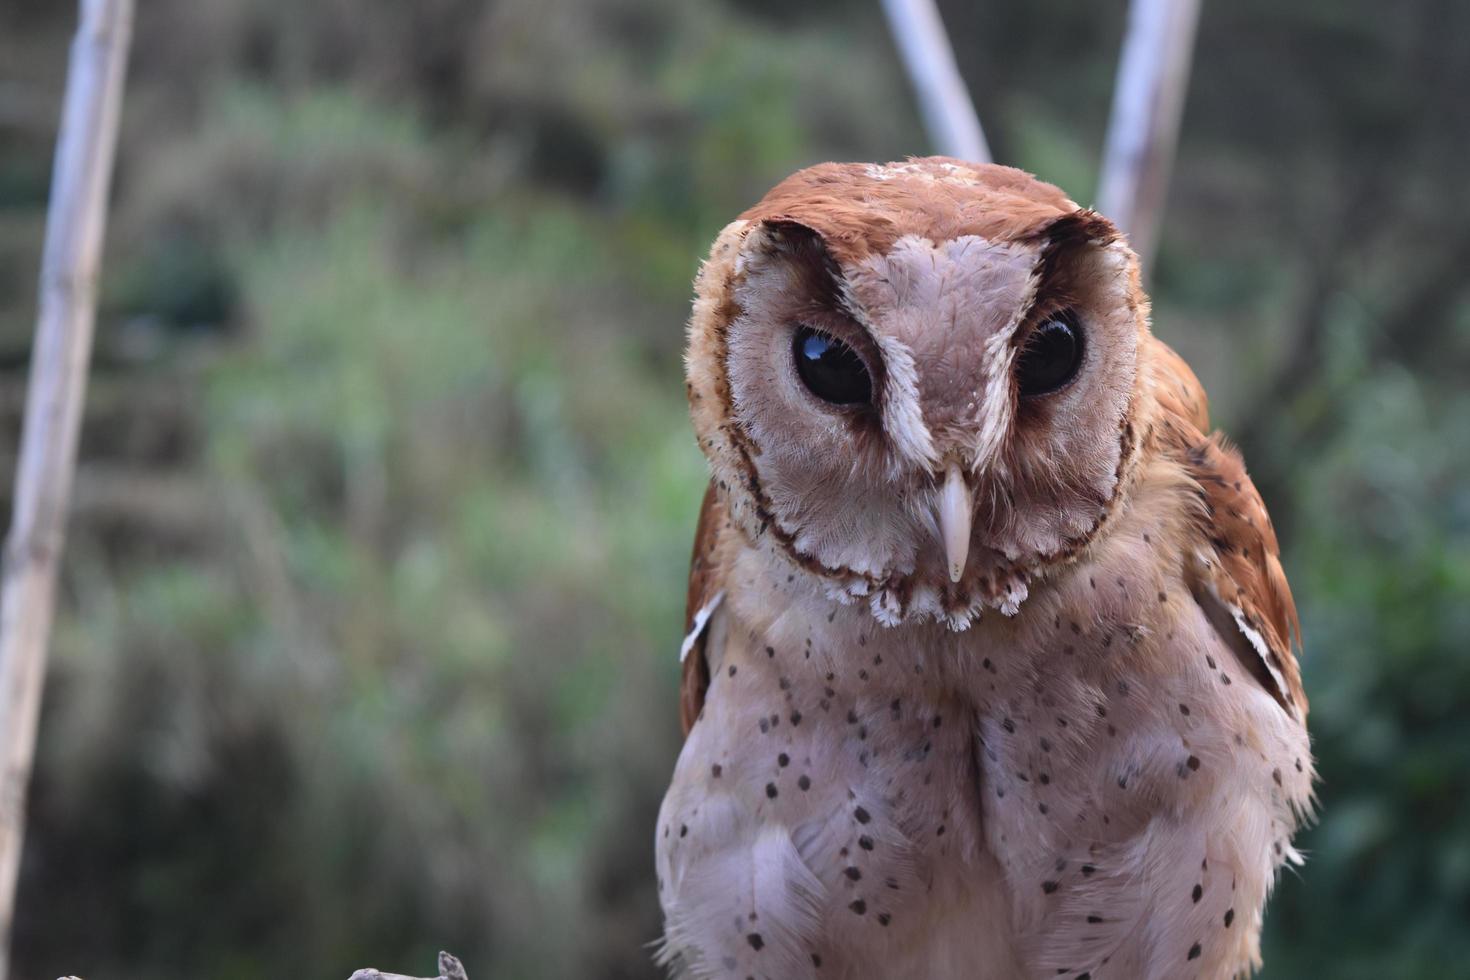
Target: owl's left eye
x=1051 y=357
x=830 y=369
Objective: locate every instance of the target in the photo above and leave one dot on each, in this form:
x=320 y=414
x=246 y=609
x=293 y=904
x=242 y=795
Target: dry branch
x=1144 y=127
x=76 y=217
x=449 y=969
x=949 y=115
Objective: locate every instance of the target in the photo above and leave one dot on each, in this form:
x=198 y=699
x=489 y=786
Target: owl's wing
x=1238 y=577
x=706 y=591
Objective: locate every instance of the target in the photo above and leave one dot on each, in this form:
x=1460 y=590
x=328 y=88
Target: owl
x=989 y=670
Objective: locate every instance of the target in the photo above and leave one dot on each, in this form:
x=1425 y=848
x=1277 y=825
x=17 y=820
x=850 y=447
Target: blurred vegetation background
x=374 y=583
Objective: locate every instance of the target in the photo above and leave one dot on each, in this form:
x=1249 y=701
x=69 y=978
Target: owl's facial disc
x=918 y=389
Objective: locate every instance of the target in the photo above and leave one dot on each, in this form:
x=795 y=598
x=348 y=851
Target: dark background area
x=373 y=590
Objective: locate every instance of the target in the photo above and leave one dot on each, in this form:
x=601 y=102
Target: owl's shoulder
x=1236 y=564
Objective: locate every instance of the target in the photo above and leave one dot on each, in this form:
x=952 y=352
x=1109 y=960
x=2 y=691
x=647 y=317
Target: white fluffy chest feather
x=1095 y=788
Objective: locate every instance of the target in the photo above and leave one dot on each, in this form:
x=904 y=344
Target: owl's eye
x=830 y=369
x=1052 y=355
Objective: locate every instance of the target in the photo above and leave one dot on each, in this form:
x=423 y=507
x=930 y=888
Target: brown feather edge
x=1240 y=559
x=706 y=590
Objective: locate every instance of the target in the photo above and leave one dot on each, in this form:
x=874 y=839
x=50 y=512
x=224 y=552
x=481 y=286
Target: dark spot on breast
x=1229 y=917
x=1193 y=763
x=1276 y=776
x=1043 y=808
x=1008 y=725
x=783 y=760
x=765 y=726
x=804 y=783
x=1184 y=709
x=716 y=770
x=865 y=842
x=796 y=718
x=817 y=960
x=771 y=652
x=755 y=940
x=770 y=791
x=940 y=831
x=1198 y=893
x=1194 y=952
x=683 y=830
x=732 y=670
x=1088 y=870
x=1048 y=886
x=884 y=918
x=858 y=906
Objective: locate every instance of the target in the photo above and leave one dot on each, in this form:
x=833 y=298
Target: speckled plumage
x=1084 y=758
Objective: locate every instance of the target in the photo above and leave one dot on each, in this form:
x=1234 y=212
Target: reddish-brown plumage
x=860 y=209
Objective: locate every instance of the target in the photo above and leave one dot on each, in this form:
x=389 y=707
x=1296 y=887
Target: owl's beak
x=956 y=504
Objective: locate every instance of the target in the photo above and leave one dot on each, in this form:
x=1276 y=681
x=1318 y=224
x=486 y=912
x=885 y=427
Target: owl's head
x=917 y=382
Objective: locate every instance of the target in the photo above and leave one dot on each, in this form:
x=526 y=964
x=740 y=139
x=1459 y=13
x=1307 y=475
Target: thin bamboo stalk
x=949 y=115
x=75 y=222
x=1143 y=129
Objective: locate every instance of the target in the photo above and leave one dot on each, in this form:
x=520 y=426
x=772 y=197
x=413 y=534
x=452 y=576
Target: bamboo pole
x=75 y=220
x=1143 y=129
x=949 y=115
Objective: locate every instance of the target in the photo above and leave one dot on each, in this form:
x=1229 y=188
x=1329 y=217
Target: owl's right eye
x=830 y=369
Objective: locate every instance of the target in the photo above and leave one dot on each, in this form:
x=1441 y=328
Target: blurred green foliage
x=376 y=576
